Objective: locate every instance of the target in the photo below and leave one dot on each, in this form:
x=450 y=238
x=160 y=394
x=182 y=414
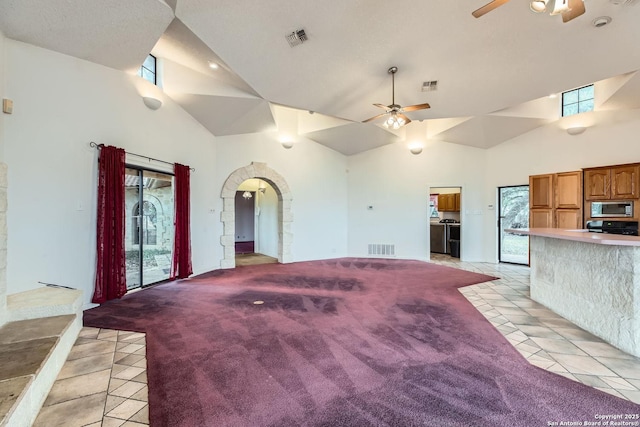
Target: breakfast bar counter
x=591 y=279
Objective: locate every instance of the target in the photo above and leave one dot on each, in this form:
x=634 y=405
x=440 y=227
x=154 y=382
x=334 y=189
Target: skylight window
x=148 y=69
x=577 y=101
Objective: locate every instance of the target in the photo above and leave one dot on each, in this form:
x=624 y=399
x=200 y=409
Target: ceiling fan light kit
x=396 y=118
x=569 y=9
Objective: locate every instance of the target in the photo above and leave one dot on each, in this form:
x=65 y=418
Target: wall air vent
x=430 y=86
x=382 y=250
x=296 y=37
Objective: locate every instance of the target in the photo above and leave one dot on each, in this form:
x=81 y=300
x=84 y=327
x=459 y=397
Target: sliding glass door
x=148 y=226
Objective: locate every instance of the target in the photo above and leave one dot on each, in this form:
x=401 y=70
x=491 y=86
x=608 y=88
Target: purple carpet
x=347 y=342
x=245 y=247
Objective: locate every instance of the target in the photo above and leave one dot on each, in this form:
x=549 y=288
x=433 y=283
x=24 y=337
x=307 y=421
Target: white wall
x=396 y=184
x=317 y=178
x=60 y=105
x=267 y=222
x=613 y=139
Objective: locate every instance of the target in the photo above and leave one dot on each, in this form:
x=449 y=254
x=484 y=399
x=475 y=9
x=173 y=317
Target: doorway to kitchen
x=513 y=208
x=444 y=220
x=149 y=227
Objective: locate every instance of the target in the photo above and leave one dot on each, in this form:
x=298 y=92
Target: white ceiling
x=494 y=73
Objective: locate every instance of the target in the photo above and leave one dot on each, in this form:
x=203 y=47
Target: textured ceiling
x=494 y=73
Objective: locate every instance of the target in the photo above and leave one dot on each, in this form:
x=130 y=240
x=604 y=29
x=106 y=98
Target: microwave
x=611 y=209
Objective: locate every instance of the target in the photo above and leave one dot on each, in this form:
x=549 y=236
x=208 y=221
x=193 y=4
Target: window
x=148 y=69
x=146 y=221
x=577 y=101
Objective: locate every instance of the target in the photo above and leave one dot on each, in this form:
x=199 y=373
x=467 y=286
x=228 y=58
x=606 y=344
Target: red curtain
x=181 y=267
x=111 y=269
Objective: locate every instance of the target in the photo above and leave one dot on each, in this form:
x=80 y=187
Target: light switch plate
x=7 y=106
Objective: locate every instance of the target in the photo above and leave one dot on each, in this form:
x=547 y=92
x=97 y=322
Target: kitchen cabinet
x=568 y=190
x=449 y=202
x=555 y=200
x=541 y=191
x=568 y=219
x=541 y=218
x=624 y=182
x=611 y=183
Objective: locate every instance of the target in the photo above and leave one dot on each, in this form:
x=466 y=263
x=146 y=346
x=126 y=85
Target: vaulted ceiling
x=494 y=73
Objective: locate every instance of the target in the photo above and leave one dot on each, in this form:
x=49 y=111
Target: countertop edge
x=579 y=236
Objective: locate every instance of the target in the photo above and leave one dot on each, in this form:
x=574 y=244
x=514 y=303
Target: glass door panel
x=148 y=226
x=157 y=226
x=513 y=205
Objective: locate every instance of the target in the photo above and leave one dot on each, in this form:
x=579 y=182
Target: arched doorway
x=285 y=217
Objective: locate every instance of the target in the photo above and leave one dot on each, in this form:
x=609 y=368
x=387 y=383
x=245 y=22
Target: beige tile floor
x=544 y=338
x=102 y=384
x=104 y=381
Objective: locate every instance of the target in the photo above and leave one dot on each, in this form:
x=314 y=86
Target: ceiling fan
x=396 y=118
x=569 y=9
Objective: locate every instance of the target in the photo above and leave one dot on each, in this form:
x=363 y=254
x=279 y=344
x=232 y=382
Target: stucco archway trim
x=228 y=215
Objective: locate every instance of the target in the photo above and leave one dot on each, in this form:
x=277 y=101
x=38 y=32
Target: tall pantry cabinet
x=555 y=200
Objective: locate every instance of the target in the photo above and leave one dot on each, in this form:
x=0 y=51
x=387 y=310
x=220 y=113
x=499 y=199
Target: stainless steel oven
x=612 y=209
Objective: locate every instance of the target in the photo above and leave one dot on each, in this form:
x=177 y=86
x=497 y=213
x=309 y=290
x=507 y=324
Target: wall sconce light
x=151 y=103
x=286 y=141
x=576 y=130
x=415 y=148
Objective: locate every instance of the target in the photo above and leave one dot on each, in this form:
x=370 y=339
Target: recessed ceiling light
x=213 y=65
x=553 y=95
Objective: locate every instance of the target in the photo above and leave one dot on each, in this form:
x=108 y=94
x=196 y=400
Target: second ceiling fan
x=396 y=118
x=569 y=9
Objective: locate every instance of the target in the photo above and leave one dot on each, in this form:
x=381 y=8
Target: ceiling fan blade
x=406 y=119
x=416 y=107
x=577 y=9
x=488 y=7
x=384 y=107
x=374 y=117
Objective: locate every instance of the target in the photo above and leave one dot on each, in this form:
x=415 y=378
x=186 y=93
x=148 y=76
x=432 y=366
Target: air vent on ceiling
x=296 y=37
x=430 y=86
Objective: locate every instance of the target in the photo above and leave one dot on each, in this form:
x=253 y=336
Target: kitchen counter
x=591 y=279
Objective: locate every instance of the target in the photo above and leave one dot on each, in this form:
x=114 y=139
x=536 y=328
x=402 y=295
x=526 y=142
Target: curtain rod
x=99 y=146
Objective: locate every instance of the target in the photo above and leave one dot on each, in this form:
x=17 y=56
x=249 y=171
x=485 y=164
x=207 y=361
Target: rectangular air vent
x=430 y=86
x=296 y=37
x=382 y=250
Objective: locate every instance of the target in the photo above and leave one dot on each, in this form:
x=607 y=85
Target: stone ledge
x=43 y=302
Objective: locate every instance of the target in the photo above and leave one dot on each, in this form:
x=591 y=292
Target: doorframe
x=141 y=201
x=498 y=234
x=285 y=215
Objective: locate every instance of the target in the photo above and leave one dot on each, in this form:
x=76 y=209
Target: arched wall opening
x=285 y=217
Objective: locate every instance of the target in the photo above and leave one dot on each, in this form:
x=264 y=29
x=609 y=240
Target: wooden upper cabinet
x=597 y=184
x=541 y=191
x=457 y=202
x=624 y=182
x=568 y=190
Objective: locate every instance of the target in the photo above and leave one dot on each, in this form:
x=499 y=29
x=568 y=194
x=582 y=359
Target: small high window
x=148 y=69
x=577 y=101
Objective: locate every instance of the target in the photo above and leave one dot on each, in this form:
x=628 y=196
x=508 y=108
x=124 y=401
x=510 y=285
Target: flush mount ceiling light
x=151 y=103
x=415 y=149
x=213 y=65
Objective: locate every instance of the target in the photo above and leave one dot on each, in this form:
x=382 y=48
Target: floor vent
x=382 y=250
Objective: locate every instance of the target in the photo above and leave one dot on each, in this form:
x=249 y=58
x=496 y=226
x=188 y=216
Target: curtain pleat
x=111 y=268
x=181 y=266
